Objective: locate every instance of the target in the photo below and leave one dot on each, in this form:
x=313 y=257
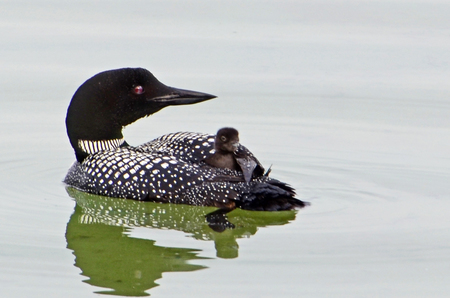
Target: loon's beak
x=176 y=96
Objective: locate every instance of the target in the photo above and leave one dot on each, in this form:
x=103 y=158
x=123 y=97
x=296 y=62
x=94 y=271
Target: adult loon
x=169 y=169
x=228 y=154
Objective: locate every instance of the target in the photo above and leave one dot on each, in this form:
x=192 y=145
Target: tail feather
x=270 y=196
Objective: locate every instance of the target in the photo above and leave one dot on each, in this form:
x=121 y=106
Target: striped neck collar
x=91 y=147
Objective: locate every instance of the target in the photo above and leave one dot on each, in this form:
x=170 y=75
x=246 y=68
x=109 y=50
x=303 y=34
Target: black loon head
x=110 y=100
x=227 y=140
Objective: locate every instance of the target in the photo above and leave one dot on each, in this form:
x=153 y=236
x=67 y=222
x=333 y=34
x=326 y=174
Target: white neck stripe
x=92 y=147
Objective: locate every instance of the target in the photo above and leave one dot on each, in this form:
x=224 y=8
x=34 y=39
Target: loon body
x=169 y=169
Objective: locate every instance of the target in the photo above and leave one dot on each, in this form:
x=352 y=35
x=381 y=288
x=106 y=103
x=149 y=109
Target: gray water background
x=349 y=100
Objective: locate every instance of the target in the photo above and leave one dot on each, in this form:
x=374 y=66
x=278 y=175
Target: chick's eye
x=223 y=138
x=138 y=89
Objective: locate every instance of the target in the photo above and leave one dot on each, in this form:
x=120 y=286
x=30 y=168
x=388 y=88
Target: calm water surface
x=348 y=101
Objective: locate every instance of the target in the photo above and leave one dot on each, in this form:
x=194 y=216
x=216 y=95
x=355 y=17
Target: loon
x=168 y=169
x=229 y=155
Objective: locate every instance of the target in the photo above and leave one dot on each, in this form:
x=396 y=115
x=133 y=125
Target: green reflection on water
x=97 y=234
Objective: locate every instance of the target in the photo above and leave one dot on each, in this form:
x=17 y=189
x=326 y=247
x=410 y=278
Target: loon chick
x=227 y=154
x=167 y=169
x=225 y=143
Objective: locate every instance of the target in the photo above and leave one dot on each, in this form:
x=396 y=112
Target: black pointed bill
x=176 y=96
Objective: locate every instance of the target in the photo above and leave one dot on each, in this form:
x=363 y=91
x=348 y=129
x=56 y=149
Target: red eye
x=138 y=89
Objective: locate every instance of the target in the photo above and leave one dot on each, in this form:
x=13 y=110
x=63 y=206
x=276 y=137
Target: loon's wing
x=249 y=164
x=186 y=146
x=196 y=147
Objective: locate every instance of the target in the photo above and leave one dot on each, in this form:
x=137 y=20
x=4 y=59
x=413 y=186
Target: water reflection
x=97 y=232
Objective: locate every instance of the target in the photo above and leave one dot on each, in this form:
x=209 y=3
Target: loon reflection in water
x=169 y=169
x=98 y=234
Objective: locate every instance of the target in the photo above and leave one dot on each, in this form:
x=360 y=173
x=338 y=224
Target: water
x=348 y=100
